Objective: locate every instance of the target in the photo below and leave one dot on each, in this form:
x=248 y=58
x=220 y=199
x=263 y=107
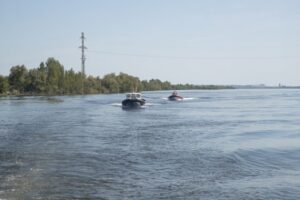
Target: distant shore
x=264 y=87
x=204 y=88
x=208 y=87
x=50 y=78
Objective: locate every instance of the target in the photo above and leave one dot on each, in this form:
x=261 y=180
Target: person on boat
x=174 y=96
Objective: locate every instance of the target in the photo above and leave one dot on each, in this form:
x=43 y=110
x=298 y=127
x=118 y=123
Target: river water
x=221 y=144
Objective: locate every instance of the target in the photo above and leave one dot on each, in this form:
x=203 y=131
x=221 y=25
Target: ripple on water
x=225 y=144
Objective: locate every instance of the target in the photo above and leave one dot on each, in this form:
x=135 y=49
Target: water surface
x=223 y=144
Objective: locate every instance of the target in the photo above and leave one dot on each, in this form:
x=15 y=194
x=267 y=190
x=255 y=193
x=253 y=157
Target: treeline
x=50 y=78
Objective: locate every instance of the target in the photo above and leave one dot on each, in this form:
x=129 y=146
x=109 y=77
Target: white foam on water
x=144 y=106
x=116 y=104
x=184 y=99
x=152 y=104
x=188 y=98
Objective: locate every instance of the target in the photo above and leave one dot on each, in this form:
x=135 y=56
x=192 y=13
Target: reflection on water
x=224 y=144
x=51 y=99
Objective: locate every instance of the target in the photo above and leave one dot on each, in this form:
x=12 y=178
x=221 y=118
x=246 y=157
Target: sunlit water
x=223 y=144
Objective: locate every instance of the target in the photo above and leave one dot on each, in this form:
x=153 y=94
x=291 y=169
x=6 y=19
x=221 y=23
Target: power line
x=193 y=58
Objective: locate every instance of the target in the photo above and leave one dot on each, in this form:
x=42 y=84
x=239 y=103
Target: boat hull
x=132 y=103
x=175 y=98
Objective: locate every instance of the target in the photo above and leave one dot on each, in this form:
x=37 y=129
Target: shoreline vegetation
x=50 y=78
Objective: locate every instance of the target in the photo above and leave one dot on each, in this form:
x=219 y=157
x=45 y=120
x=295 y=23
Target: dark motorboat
x=175 y=97
x=133 y=100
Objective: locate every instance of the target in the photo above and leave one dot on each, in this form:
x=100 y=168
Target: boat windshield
x=133 y=96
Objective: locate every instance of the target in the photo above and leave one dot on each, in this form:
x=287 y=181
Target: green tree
x=110 y=83
x=55 y=76
x=3 y=85
x=51 y=78
x=31 y=80
x=128 y=83
x=41 y=82
x=72 y=83
x=92 y=85
x=155 y=84
x=166 y=85
x=17 y=78
x=69 y=79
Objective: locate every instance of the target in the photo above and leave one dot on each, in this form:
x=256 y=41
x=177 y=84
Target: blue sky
x=183 y=41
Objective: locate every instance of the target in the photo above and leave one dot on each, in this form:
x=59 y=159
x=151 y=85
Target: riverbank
x=203 y=87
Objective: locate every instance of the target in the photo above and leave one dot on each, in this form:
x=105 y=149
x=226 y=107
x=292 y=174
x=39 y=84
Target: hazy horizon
x=198 y=42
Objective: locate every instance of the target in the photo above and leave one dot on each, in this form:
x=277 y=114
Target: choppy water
x=224 y=144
